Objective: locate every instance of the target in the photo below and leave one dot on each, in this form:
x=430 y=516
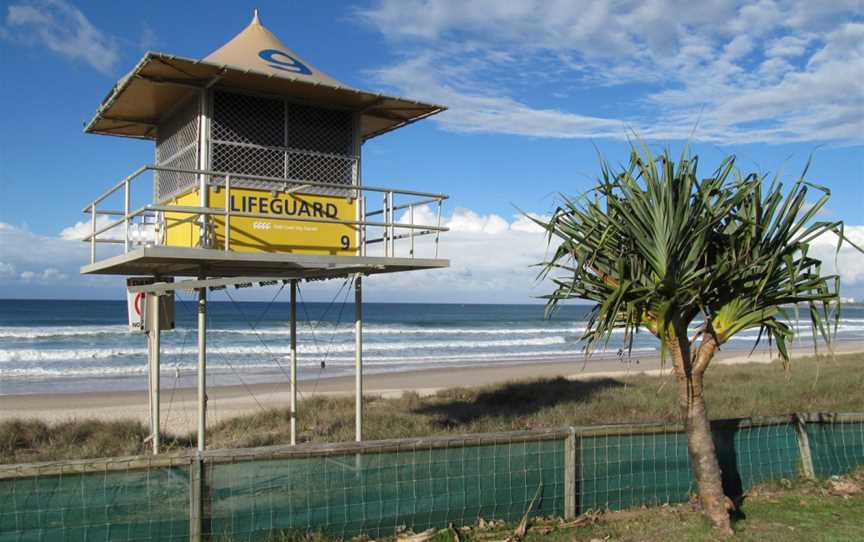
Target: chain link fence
x=380 y=487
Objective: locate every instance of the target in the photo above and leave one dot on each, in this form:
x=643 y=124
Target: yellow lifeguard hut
x=257 y=176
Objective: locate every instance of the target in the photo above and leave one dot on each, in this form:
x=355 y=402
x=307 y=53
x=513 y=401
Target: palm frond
x=654 y=247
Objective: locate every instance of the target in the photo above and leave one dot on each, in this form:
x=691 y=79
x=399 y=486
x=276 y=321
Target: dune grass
x=732 y=391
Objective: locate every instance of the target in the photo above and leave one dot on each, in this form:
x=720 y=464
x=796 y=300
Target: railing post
x=411 y=220
x=126 y=198
x=570 y=481
x=227 y=213
x=392 y=222
x=386 y=212
x=93 y=233
x=804 y=446
x=362 y=203
x=438 y=232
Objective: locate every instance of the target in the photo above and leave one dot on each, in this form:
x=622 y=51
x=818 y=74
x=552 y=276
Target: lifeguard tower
x=257 y=176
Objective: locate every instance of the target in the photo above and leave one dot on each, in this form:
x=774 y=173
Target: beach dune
x=224 y=402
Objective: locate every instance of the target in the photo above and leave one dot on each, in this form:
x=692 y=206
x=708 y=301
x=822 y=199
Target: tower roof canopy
x=257 y=49
x=254 y=60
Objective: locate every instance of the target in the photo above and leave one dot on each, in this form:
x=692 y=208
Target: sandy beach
x=178 y=405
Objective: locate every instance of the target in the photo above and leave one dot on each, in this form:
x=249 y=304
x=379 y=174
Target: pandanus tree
x=694 y=262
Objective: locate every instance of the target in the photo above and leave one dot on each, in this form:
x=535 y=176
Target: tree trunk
x=703 y=456
x=700 y=442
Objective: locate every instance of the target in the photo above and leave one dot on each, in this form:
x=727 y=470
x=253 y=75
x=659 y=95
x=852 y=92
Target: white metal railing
x=390 y=228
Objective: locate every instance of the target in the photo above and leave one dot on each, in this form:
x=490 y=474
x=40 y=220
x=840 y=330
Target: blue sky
x=533 y=87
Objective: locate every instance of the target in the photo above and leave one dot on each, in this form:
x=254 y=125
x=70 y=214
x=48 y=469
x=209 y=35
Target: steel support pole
x=358 y=358
x=155 y=347
x=202 y=368
x=293 y=362
x=149 y=339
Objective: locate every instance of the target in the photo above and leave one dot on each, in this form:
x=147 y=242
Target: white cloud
x=788 y=46
x=79 y=230
x=138 y=233
x=41 y=264
x=474 y=109
x=848 y=263
x=491 y=261
x=761 y=71
x=6 y=270
x=50 y=274
x=62 y=28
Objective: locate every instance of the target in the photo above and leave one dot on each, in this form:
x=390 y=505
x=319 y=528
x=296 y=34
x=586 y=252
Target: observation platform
x=224 y=236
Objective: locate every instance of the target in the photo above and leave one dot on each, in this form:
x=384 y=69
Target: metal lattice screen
x=271 y=137
x=177 y=147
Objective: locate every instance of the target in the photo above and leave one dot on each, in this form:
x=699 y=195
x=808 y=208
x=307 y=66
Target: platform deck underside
x=196 y=262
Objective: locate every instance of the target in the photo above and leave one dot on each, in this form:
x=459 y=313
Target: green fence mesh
x=751 y=455
x=415 y=483
x=647 y=466
x=836 y=447
x=619 y=470
x=148 y=504
x=377 y=493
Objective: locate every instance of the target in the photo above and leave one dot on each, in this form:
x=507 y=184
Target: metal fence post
x=804 y=446
x=570 y=474
x=196 y=500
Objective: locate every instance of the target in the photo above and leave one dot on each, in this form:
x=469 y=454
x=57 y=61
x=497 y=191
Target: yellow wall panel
x=286 y=235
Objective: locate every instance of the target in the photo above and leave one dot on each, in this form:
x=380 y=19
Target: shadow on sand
x=514 y=400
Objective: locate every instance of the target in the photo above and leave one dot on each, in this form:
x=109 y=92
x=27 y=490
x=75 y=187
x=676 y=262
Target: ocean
x=75 y=346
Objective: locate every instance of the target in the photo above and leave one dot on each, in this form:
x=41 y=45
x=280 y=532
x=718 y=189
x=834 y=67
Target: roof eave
x=149 y=56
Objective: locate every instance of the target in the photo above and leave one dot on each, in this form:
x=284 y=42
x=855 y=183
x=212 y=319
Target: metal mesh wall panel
x=320 y=130
x=240 y=118
x=248 y=160
x=177 y=147
x=271 y=137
